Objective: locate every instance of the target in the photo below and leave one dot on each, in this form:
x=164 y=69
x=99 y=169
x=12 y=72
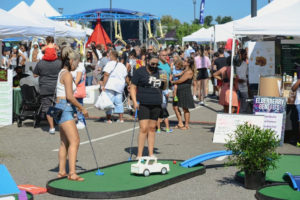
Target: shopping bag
x=104 y=102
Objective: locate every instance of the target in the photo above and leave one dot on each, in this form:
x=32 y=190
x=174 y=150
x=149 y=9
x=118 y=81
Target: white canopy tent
x=225 y=31
x=281 y=21
x=201 y=35
x=44 y=8
x=14 y=26
x=30 y=15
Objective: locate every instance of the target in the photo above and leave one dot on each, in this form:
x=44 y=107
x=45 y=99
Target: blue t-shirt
x=175 y=72
x=165 y=67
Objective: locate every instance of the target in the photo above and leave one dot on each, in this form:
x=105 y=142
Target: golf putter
x=135 y=119
x=98 y=173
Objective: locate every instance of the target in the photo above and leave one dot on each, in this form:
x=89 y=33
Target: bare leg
x=186 y=117
x=158 y=123
x=200 y=90
x=151 y=136
x=206 y=87
x=194 y=87
x=167 y=123
x=50 y=121
x=121 y=116
x=178 y=115
x=62 y=154
x=71 y=132
x=144 y=126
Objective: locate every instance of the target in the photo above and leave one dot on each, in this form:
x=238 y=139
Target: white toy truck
x=147 y=165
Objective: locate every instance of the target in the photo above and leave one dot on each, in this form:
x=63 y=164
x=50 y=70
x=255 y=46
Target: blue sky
x=180 y=9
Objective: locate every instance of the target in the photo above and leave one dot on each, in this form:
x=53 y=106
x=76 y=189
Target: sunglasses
x=154 y=64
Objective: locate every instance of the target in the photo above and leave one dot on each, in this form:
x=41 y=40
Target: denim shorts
x=298 y=109
x=68 y=111
x=117 y=99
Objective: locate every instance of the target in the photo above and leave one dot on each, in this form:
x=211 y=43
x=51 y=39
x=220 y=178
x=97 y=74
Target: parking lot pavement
x=31 y=154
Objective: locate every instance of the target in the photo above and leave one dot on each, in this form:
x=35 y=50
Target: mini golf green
x=29 y=196
x=287 y=163
x=118 y=182
x=276 y=192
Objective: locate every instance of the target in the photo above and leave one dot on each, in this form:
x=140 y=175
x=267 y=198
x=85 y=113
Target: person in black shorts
x=146 y=93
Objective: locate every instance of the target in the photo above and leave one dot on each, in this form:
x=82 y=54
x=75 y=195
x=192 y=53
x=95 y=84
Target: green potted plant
x=254 y=152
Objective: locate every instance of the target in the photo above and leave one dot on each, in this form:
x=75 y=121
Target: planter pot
x=254 y=180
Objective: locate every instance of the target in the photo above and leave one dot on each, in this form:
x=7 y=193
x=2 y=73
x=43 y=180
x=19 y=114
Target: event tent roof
x=44 y=8
x=202 y=35
x=14 y=26
x=280 y=22
x=225 y=31
x=30 y=15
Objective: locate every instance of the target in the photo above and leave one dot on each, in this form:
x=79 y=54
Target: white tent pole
x=231 y=74
x=215 y=43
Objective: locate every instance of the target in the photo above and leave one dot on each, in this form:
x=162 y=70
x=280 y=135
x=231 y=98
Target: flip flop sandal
x=78 y=178
x=178 y=127
x=60 y=175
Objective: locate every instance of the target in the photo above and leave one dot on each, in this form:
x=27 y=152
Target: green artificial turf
x=119 y=178
x=29 y=196
x=286 y=163
x=280 y=192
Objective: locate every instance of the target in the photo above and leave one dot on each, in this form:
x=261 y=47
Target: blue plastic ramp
x=201 y=158
x=7 y=183
x=294 y=179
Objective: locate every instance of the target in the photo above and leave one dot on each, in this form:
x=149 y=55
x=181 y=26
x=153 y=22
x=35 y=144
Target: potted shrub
x=254 y=152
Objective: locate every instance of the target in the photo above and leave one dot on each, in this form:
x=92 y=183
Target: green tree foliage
x=170 y=23
x=208 y=20
x=223 y=20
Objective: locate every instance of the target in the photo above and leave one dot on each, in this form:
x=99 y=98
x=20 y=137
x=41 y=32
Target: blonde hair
x=67 y=54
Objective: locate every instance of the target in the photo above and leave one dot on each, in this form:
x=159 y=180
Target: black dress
x=184 y=94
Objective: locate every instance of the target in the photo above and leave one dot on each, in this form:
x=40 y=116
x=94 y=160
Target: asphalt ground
x=31 y=154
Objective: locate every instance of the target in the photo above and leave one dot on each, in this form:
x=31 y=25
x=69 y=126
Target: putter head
x=99 y=173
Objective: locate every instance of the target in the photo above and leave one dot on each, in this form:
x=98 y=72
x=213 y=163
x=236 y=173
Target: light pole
x=194 y=2
x=111 y=21
x=253 y=8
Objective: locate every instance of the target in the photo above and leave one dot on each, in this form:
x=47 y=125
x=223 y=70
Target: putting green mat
x=277 y=192
x=286 y=163
x=29 y=196
x=117 y=181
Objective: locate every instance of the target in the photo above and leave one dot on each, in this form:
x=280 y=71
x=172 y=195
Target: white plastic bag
x=103 y=102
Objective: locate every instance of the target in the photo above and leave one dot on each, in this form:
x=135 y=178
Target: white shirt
x=80 y=68
x=116 y=79
x=242 y=72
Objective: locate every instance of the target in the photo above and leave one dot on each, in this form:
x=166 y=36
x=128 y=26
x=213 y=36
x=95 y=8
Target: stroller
x=31 y=106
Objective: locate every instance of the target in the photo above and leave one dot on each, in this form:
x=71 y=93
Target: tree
x=170 y=23
x=208 y=20
x=223 y=20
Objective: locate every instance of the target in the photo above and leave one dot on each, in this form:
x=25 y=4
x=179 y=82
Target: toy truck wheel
x=163 y=170
x=146 y=172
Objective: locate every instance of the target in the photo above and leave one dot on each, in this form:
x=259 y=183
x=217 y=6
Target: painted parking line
x=123 y=132
x=221 y=158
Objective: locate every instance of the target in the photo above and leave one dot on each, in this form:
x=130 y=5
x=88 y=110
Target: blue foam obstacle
x=295 y=180
x=201 y=158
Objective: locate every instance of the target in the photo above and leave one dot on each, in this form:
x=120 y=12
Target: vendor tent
x=281 y=22
x=225 y=31
x=30 y=15
x=202 y=35
x=13 y=26
x=44 y=8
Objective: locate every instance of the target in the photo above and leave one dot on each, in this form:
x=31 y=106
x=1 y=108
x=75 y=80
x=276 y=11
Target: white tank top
x=60 y=88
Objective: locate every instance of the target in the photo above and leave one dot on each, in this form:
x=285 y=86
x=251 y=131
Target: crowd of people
x=149 y=78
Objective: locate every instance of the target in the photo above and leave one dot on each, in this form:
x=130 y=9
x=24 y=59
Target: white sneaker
x=201 y=103
x=80 y=125
x=195 y=98
x=52 y=131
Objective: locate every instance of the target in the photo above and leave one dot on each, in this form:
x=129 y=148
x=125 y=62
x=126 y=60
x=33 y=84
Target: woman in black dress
x=184 y=94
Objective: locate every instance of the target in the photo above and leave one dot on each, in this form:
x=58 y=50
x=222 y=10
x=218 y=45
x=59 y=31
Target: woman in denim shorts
x=69 y=138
